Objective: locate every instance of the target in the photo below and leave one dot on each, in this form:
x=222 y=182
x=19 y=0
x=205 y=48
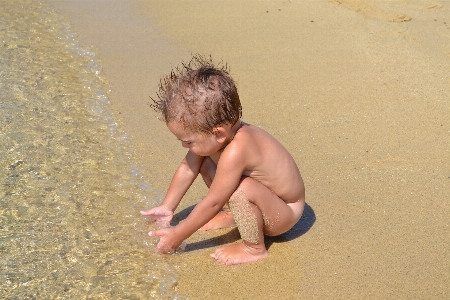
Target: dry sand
x=358 y=91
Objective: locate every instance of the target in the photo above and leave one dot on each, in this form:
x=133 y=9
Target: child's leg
x=224 y=218
x=257 y=211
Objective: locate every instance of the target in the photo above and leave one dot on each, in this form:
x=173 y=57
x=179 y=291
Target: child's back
x=270 y=163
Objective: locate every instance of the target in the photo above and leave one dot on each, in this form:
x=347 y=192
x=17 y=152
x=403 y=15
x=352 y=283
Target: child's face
x=200 y=144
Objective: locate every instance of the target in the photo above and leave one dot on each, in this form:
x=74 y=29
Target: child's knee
x=244 y=187
x=244 y=216
x=239 y=195
x=208 y=171
x=208 y=168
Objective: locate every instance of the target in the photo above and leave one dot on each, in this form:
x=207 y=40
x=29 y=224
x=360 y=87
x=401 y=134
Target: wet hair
x=198 y=95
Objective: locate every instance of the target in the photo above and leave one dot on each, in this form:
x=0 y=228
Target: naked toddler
x=243 y=166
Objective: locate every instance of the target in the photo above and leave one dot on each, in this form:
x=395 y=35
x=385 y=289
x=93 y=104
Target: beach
x=357 y=91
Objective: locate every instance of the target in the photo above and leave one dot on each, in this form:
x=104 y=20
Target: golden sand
x=357 y=91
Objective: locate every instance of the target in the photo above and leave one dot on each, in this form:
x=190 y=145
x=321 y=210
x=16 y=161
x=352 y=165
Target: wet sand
x=358 y=91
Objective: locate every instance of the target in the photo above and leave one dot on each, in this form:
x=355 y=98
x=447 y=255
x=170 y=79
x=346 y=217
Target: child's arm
x=181 y=181
x=228 y=175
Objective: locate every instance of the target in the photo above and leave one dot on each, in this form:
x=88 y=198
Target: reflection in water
x=69 y=193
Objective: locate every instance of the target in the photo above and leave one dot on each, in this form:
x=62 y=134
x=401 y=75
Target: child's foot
x=223 y=219
x=239 y=253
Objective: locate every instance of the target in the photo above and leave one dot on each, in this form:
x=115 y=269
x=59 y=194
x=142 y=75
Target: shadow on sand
x=301 y=227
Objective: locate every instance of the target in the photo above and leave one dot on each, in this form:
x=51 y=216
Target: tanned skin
x=233 y=156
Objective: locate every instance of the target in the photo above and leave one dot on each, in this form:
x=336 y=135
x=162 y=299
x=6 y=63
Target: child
x=243 y=166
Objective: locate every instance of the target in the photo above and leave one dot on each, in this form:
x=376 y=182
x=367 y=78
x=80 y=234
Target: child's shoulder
x=249 y=135
x=248 y=128
x=254 y=131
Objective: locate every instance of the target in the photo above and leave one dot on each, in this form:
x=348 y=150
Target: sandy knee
x=244 y=216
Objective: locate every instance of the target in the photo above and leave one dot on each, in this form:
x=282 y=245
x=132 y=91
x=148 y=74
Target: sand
x=358 y=91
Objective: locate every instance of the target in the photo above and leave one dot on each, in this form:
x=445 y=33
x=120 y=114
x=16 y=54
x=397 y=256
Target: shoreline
x=359 y=101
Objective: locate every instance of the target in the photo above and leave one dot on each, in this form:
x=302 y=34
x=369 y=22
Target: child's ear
x=220 y=134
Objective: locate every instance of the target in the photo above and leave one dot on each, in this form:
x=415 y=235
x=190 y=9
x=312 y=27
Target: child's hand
x=161 y=215
x=169 y=242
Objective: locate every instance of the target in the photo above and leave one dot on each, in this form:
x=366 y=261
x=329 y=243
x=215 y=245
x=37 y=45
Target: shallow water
x=70 y=193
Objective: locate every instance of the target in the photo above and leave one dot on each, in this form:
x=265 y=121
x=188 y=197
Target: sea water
x=70 y=193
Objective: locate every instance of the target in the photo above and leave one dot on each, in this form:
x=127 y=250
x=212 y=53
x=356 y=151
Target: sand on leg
x=224 y=218
x=257 y=211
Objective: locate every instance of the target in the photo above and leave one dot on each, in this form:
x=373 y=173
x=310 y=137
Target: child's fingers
x=160 y=232
x=154 y=233
x=162 y=223
x=156 y=213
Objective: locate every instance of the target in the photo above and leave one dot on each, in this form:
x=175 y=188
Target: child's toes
x=217 y=255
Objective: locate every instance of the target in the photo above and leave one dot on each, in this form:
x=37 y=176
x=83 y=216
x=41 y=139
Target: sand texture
x=358 y=92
